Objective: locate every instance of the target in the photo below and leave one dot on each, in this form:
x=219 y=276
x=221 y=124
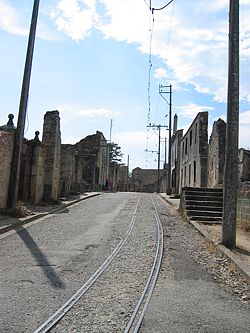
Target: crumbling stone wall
x=243 y=206
x=175 y=160
x=194 y=153
x=6 y=150
x=32 y=171
x=67 y=169
x=52 y=155
x=216 y=154
x=122 y=181
x=92 y=162
x=145 y=180
x=244 y=165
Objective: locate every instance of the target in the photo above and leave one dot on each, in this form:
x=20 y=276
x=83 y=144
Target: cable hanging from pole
x=153 y=9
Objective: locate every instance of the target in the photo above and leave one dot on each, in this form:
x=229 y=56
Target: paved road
x=44 y=263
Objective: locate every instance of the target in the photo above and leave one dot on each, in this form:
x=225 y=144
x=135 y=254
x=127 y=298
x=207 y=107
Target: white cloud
x=190 y=110
x=76 y=111
x=160 y=73
x=75 y=18
x=9 y=19
x=101 y=112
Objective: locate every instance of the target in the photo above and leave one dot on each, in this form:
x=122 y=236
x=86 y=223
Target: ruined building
x=50 y=170
x=194 y=153
x=216 y=154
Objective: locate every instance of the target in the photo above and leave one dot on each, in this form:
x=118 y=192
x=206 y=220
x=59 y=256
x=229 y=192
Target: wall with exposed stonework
x=244 y=165
x=194 y=153
x=216 y=154
x=32 y=171
x=243 y=206
x=6 y=149
x=52 y=155
x=145 y=180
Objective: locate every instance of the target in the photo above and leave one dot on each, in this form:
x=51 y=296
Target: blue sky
x=91 y=63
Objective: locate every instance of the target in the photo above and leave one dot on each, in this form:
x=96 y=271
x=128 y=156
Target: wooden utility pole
x=19 y=134
x=232 y=132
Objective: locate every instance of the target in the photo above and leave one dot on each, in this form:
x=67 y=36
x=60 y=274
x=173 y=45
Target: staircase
x=203 y=204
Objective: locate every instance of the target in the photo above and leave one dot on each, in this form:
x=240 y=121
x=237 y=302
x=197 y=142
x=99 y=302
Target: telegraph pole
x=19 y=134
x=159 y=153
x=232 y=136
x=168 y=90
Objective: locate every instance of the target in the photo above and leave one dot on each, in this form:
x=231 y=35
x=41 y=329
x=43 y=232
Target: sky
x=101 y=60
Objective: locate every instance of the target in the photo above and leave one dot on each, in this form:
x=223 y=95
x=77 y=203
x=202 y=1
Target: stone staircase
x=203 y=204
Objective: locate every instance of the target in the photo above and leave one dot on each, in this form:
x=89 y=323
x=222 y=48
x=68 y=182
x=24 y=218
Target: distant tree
x=115 y=154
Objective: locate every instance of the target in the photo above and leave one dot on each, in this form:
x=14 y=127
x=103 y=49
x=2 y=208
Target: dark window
x=194 y=172
x=191 y=137
x=195 y=134
x=186 y=143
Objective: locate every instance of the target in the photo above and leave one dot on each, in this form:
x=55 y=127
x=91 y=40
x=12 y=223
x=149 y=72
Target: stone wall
x=216 y=154
x=194 y=153
x=32 y=171
x=67 y=169
x=145 y=180
x=52 y=157
x=6 y=149
x=175 y=161
x=243 y=206
x=122 y=182
x=244 y=165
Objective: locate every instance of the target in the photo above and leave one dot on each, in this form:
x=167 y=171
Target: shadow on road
x=40 y=258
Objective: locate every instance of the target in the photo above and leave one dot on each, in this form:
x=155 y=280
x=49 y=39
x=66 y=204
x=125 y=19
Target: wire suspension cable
x=153 y=9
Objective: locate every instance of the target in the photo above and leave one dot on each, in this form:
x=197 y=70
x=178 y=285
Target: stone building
x=244 y=165
x=216 y=154
x=175 y=158
x=91 y=161
x=194 y=153
x=122 y=179
x=145 y=180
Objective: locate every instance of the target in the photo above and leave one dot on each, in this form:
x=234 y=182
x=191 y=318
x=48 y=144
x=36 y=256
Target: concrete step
x=203 y=189
x=204 y=208
x=202 y=198
x=206 y=219
x=204 y=203
x=204 y=213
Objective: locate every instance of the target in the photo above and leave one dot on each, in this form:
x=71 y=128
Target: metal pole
x=231 y=158
x=19 y=134
x=169 y=140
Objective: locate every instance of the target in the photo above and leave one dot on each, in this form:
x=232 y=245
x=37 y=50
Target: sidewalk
x=8 y=223
x=212 y=232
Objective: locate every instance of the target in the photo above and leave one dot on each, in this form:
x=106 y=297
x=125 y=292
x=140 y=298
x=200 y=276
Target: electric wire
x=153 y=9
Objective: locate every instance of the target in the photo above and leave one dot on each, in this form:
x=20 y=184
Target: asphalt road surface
x=45 y=262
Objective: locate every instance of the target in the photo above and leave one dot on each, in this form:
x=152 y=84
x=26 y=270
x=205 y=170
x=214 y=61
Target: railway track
x=134 y=322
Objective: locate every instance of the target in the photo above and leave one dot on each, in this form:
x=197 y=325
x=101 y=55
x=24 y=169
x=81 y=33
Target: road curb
x=240 y=266
x=32 y=218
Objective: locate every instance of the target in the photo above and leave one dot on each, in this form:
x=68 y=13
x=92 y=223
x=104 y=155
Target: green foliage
x=115 y=154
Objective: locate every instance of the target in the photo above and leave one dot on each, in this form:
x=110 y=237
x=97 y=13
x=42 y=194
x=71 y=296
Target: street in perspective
x=95 y=238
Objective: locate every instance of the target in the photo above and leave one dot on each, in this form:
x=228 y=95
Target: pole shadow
x=40 y=258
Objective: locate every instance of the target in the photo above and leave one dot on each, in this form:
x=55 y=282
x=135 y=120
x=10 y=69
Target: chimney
x=175 y=123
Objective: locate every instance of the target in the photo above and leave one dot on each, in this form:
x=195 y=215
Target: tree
x=115 y=154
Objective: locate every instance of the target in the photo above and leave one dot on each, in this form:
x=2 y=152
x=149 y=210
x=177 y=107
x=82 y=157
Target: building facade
x=194 y=154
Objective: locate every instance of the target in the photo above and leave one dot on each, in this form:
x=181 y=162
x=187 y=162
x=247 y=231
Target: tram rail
x=140 y=309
